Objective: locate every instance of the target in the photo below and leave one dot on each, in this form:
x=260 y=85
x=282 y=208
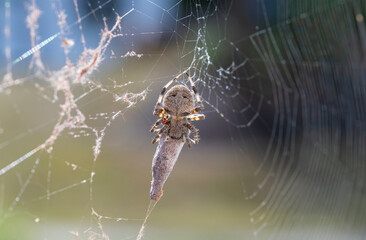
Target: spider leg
x=187 y=139
x=194 y=130
x=199 y=106
x=158 y=108
x=161 y=131
x=195 y=117
x=156 y=124
x=157 y=137
x=186 y=133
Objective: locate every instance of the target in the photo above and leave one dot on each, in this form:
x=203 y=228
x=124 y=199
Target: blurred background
x=281 y=154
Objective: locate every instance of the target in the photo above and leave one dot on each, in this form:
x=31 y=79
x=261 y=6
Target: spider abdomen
x=164 y=160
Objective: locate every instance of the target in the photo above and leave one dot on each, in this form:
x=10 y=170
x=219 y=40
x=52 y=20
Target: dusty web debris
x=32 y=23
x=70 y=118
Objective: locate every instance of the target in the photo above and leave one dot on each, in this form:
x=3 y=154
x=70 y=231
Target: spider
x=175 y=109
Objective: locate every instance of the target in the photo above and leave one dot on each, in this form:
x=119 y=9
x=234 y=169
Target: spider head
x=179 y=99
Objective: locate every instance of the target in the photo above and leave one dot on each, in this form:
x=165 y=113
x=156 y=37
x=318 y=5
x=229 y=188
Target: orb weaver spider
x=175 y=109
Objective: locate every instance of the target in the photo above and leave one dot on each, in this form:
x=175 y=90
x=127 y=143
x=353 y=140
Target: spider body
x=175 y=109
x=178 y=102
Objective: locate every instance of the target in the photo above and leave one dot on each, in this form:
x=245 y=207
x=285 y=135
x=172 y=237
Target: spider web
x=282 y=84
